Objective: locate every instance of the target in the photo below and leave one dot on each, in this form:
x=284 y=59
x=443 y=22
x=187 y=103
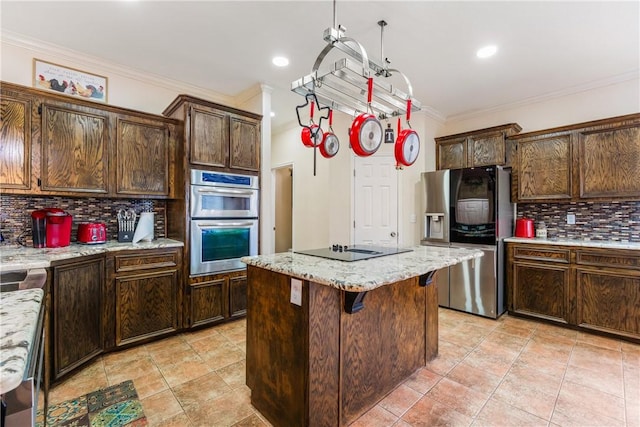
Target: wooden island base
x=316 y=364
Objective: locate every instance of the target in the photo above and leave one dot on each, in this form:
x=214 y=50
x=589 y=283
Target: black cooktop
x=353 y=253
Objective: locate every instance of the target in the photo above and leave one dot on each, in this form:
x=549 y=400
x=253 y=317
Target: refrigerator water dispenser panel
x=434 y=226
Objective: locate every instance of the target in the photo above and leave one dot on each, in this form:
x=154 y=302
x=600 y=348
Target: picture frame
x=69 y=81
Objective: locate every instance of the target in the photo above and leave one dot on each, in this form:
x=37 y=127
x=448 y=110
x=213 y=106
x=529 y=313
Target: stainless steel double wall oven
x=224 y=220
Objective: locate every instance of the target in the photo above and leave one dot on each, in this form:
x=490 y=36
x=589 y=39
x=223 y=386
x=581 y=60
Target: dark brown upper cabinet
x=483 y=147
x=75 y=149
x=544 y=168
x=59 y=145
x=142 y=157
x=609 y=162
x=15 y=137
x=209 y=137
x=597 y=161
x=244 y=144
x=218 y=137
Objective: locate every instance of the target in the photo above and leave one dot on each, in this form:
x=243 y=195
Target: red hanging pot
x=407 y=145
x=330 y=144
x=311 y=135
x=366 y=131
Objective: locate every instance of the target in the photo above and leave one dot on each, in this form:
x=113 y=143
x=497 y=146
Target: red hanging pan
x=312 y=134
x=407 y=145
x=330 y=144
x=366 y=131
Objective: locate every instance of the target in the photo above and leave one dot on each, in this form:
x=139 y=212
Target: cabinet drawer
x=542 y=254
x=145 y=261
x=616 y=258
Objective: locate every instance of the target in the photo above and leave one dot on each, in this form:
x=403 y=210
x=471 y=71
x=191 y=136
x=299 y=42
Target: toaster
x=92 y=232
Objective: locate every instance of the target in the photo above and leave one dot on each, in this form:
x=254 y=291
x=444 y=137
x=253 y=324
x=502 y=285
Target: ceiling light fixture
x=272 y=114
x=486 y=51
x=280 y=61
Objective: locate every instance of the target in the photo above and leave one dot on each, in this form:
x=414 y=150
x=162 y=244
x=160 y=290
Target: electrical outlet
x=571 y=219
x=296 y=291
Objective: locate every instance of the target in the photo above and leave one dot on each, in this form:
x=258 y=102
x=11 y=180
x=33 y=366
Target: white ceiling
x=544 y=47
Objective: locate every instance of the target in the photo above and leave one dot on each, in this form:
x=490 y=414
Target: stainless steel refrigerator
x=470 y=208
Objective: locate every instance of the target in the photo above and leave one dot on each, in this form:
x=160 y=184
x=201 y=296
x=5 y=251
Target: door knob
x=393 y=234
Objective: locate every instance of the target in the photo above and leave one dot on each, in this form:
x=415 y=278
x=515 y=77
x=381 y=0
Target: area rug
x=115 y=406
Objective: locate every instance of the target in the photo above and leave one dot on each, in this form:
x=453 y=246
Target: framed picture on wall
x=70 y=81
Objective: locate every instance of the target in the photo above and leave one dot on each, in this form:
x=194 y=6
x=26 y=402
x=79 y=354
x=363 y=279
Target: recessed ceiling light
x=280 y=61
x=273 y=114
x=486 y=51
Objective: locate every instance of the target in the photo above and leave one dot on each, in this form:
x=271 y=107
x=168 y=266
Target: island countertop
x=364 y=275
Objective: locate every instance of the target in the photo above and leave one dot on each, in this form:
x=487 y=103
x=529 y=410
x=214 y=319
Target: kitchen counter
x=18 y=322
x=23 y=258
x=365 y=275
x=606 y=244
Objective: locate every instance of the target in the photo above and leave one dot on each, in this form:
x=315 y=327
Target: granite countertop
x=18 y=320
x=607 y=244
x=16 y=257
x=365 y=275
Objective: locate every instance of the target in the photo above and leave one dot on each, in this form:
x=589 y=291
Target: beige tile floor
x=509 y=372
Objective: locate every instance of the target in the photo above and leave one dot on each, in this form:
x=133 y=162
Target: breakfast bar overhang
x=327 y=340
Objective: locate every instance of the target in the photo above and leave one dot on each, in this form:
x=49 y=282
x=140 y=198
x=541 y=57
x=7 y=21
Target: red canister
x=524 y=227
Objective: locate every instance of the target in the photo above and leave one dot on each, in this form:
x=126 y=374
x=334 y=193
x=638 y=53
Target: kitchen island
x=327 y=339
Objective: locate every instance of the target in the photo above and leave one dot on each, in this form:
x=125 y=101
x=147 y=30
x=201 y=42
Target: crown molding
x=596 y=84
x=45 y=48
x=249 y=93
x=432 y=113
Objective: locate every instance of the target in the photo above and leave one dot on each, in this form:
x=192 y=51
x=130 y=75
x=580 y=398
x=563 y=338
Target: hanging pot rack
x=342 y=86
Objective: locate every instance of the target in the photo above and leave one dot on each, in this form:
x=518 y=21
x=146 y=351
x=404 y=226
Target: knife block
x=125 y=234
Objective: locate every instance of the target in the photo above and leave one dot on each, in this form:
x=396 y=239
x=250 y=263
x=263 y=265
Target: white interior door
x=376 y=201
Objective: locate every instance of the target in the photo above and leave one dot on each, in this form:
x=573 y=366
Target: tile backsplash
x=618 y=221
x=15 y=214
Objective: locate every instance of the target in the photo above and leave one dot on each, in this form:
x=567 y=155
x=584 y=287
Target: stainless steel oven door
x=218 y=244
x=216 y=202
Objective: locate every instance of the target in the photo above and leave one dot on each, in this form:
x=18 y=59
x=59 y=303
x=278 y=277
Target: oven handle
x=226 y=191
x=225 y=224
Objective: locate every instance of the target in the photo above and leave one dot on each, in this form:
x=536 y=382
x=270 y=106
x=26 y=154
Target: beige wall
x=311 y=194
x=126 y=88
x=599 y=103
x=322 y=204
x=329 y=195
x=131 y=89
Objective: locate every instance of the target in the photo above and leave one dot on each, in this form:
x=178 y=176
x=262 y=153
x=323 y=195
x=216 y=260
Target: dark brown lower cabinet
x=541 y=290
x=216 y=298
x=207 y=302
x=237 y=296
x=77 y=307
x=103 y=302
x=146 y=306
x=145 y=294
x=592 y=289
x=608 y=301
